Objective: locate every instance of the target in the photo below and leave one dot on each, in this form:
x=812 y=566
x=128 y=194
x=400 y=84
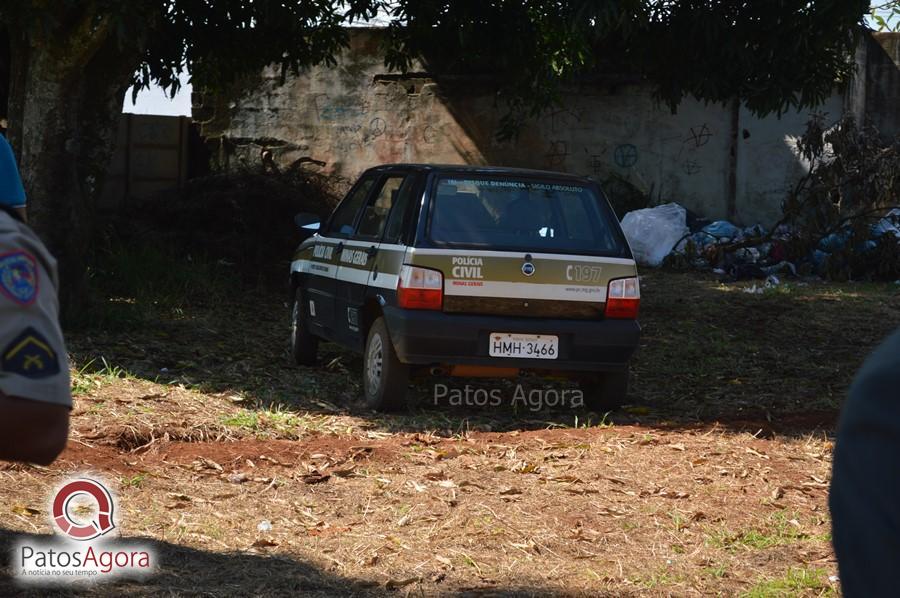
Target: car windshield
x=522 y=214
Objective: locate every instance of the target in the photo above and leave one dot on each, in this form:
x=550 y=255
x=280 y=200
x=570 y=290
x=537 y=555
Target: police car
x=469 y=271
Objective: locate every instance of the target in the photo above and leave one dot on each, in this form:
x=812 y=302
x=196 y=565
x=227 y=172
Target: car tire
x=605 y=392
x=304 y=346
x=385 y=379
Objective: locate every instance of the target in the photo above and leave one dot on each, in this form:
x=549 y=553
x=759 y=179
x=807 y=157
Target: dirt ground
x=713 y=481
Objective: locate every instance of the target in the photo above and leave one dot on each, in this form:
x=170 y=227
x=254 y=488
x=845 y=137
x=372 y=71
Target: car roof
x=482 y=170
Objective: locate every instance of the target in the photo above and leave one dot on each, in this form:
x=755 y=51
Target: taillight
x=420 y=288
x=623 y=297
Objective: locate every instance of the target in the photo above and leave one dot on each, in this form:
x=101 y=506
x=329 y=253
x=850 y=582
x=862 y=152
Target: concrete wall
x=882 y=76
x=718 y=160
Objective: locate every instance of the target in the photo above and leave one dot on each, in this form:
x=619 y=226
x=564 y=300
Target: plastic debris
x=653 y=232
x=834 y=241
x=722 y=229
x=735 y=253
x=755 y=231
x=264 y=526
x=748 y=255
x=781 y=268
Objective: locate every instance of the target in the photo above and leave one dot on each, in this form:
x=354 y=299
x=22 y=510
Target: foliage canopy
x=772 y=54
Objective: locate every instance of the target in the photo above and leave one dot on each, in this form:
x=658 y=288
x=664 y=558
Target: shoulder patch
x=19 y=277
x=30 y=355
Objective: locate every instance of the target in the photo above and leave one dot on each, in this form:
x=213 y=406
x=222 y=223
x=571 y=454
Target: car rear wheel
x=304 y=346
x=605 y=392
x=385 y=379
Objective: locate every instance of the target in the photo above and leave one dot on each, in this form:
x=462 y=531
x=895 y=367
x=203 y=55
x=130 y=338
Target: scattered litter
x=670 y=232
x=781 y=268
x=722 y=229
x=264 y=526
x=653 y=232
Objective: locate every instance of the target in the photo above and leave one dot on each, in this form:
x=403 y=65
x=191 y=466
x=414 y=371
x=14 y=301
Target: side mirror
x=307 y=222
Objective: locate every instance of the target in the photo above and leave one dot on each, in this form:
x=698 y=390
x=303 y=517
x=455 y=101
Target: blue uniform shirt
x=12 y=194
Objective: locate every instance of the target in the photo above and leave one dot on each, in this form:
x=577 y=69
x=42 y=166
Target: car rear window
x=522 y=214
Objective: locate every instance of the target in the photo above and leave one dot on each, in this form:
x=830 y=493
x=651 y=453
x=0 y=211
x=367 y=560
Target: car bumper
x=431 y=337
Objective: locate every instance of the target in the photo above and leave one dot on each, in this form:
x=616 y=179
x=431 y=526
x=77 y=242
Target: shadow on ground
x=189 y=572
x=775 y=362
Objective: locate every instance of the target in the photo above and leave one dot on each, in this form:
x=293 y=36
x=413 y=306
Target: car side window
x=400 y=211
x=375 y=216
x=344 y=216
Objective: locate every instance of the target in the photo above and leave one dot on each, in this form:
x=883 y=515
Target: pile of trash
x=673 y=235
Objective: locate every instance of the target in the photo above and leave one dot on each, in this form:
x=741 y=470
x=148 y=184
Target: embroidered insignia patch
x=19 y=277
x=30 y=355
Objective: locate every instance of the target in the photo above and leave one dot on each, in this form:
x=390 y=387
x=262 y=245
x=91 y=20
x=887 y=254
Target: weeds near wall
x=623 y=195
x=833 y=220
x=242 y=218
x=223 y=236
x=853 y=181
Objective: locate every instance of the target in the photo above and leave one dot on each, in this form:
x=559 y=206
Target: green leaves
x=886 y=16
x=774 y=55
x=220 y=41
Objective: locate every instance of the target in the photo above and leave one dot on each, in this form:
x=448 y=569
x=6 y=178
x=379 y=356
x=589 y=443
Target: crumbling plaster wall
x=719 y=161
x=882 y=68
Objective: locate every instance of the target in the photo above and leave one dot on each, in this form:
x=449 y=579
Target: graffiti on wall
x=699 y=136
x=556 y=154
x=625 y=155
x=377 y=127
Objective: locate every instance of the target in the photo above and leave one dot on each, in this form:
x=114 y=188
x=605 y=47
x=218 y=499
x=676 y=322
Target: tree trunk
x=63 y=112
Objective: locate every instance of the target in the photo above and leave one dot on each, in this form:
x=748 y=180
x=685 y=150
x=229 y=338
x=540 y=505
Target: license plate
x=528 y=346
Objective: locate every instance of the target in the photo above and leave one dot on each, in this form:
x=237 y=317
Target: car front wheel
x=385 y=379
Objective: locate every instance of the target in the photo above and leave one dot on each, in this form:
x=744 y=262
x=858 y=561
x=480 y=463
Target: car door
x=360 y=259
x=324 y=264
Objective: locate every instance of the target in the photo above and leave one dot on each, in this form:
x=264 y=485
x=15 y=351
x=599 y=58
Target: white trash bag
x=653 y=232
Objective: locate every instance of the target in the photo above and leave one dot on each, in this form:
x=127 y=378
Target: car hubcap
x=374 y=362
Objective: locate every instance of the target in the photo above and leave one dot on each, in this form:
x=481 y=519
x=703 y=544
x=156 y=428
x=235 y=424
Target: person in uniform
x=865 y=480
x=35 y=397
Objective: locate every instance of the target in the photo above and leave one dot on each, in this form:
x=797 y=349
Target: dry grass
x=713 y=482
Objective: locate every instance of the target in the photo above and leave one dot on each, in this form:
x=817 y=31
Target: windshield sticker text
x=513 y=184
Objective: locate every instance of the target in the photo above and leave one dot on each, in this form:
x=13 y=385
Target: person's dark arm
x=32 y=431
x=865 y=483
